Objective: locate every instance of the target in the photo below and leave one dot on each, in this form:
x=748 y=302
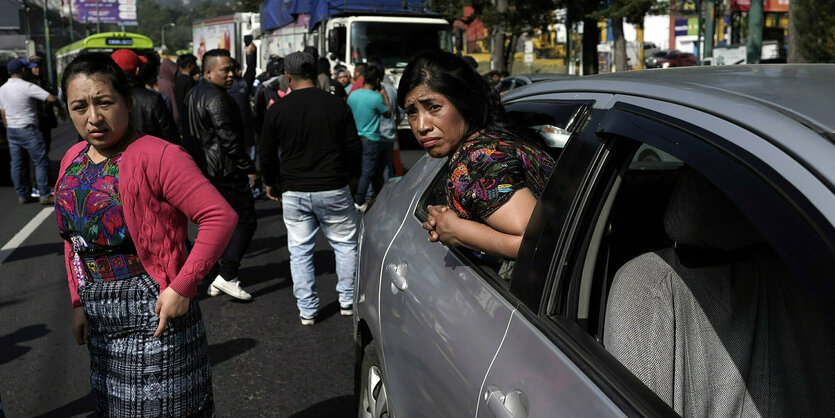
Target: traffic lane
x=43 y=368
x=15 y=216
x=264 y=362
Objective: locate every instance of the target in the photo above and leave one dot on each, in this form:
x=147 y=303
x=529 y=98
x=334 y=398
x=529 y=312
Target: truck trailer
x=231 y=32
x=349 y=31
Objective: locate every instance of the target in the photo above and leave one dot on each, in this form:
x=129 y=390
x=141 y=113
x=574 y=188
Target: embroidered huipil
x=487 y=170
x=89 y=212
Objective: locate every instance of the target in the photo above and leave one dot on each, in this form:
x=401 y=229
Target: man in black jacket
x=149 y=113
x=185 y=80
x=213 y=135
x=320 y=148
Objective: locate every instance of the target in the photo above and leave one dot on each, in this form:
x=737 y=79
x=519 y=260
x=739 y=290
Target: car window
x=550 y=124
x=684 y=284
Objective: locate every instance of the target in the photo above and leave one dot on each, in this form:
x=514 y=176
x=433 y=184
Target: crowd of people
x=164 y=143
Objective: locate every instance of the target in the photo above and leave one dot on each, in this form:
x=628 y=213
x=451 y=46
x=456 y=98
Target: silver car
x=681 y=260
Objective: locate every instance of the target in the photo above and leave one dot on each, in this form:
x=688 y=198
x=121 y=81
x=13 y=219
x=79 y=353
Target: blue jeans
x=370 y=163
x=31 y=140
x=384 y=168
x=304 y=213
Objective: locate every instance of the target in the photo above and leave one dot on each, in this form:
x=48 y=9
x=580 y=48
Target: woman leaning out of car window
x=495 y=175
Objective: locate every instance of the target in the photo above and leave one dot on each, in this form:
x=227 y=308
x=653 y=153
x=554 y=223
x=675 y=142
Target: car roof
x=539 y=77
x=803 y=91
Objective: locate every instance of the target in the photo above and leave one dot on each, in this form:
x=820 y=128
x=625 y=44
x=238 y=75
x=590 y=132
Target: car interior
x=676 y=283
x=685 y=292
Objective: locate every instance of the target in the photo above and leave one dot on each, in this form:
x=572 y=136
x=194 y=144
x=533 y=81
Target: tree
x=633 y=11
x=507 y=20
x=151 y=16
x=812 y=31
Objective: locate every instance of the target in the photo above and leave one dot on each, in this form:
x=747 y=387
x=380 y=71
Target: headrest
x=700 y=215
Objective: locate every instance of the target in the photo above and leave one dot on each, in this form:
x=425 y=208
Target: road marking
x=24 y=233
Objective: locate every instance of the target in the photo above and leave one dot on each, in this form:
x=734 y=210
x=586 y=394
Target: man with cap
x=18 y=106
x=319 y=147
x=149 y=113
x=213 y=135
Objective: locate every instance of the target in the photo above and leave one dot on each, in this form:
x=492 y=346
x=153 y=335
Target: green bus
x=102 y=42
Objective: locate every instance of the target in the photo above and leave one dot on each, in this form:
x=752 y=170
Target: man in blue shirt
x=368 y=104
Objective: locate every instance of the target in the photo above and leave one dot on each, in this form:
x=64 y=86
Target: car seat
x=714 y=324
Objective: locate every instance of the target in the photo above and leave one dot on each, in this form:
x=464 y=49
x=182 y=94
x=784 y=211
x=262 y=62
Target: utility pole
x=72 y=31
x=498 y=39
x=710 y=29
x=162 y=30
x=754 y=44
x=47 y=42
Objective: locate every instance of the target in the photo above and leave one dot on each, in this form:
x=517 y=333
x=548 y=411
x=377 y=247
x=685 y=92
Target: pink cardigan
x=161 y=189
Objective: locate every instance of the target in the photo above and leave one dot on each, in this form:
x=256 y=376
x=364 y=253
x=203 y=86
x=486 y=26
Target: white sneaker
x=346 y=310
x=231 y=288
x=307 y=321
x=212 y=291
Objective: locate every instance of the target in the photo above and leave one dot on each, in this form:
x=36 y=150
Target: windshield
x=395 y=42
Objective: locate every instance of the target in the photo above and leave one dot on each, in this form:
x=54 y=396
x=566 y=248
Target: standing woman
x=123 y=202
x=495 y=174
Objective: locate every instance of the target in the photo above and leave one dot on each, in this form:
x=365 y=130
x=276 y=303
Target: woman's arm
x=501 y=236
x=184 y=187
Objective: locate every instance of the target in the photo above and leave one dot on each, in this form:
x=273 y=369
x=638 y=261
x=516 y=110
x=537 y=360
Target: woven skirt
x=134 y=373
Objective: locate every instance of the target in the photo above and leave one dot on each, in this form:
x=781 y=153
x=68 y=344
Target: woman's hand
x=169 y=305
x=441 y=224
x=79 y=325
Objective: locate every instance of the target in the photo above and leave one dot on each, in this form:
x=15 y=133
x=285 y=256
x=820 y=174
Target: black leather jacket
x=214 y=133
x=150 y=115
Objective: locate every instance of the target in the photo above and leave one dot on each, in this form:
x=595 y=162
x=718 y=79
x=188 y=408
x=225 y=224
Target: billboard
x=768 y=5
x=211 y=34
x=122 y=12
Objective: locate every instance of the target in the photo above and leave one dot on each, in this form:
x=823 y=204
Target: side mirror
x=336 y=41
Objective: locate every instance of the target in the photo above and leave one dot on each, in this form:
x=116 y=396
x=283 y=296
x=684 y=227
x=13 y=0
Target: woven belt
x=110 y=267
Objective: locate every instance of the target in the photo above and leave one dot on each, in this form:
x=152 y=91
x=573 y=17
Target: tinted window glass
x=693 y=295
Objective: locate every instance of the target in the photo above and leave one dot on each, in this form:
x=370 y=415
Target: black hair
x=183 y=61
x=361 y=66
x=235 y=65
x=373 y=75
x=323 y=66
x=101 y=66
x=210 y=56
x=149 y=71
x=443 y=72
x=278 y=66
x=312 y=50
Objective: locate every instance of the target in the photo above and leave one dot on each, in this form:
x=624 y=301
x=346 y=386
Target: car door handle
x=397 y=275
x=511 y=405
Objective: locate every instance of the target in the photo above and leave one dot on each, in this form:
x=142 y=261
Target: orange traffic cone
x=395 y=156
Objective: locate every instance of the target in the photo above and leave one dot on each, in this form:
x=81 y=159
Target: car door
x=532 y=374
x=444 y=311
x=441 y=324
x=568 y=371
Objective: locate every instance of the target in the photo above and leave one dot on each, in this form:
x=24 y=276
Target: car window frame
x=612 y=376
x=575 y=125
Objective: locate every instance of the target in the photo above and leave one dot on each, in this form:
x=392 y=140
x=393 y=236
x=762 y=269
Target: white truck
x=348 y=32
x=231 y=32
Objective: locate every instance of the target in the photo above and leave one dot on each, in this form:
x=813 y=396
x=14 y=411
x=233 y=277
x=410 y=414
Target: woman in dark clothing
x=495 y=176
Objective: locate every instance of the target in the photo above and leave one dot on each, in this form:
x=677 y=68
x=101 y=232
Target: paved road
x=264 y=363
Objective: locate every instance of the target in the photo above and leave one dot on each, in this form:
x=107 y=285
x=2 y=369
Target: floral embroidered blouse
x=487 y=170
x=88 y=204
